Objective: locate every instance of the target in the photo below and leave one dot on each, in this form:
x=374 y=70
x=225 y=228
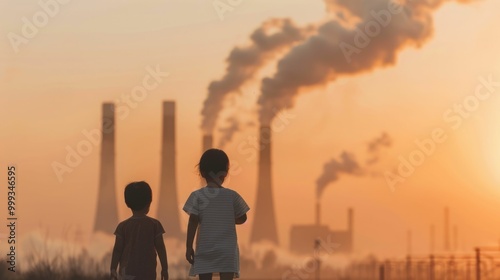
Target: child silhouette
x=214 y=211
x=138 y=239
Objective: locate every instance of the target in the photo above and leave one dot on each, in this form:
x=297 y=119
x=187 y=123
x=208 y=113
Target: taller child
x=214 y=211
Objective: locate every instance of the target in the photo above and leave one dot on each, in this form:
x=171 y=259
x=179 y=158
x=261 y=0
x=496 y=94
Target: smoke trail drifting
x=228 y=132
x=267 y=41
x=332 y=169
x=378 y=36
x=375 y=145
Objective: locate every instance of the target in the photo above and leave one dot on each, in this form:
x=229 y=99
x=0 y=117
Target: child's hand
x=114 y=275
x=190 y=255
x=164 y=275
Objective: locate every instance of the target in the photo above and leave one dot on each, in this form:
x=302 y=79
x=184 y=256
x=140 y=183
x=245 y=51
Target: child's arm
x=241 y=220
x=191 y=231
x=115 y=258
x=240 y=209
x=162 y=255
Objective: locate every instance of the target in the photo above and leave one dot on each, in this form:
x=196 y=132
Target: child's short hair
x=213 y=163
x=138 y=195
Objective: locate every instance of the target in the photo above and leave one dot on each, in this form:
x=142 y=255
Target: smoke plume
x=375 y=145
x=273 y=37
x=333 y=168
x=228 y=131
x=382 y=29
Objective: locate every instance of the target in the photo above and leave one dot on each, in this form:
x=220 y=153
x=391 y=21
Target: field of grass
x=80 y=267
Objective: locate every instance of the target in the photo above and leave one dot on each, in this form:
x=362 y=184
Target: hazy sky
x=92 y=52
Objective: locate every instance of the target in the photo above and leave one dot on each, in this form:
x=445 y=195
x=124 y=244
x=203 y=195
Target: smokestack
x=446 y=229
x=350 y=227
x=264 y=227
x=107 y=211
x=318 y=213
x=168 y=209
x=432 y=242
x=455 y=238
x=208 y=142
x=409 y=241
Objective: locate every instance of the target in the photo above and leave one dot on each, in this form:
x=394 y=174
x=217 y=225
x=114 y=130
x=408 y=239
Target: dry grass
x=78 y=267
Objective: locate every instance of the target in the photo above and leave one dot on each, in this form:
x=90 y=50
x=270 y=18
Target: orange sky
x=93 y=52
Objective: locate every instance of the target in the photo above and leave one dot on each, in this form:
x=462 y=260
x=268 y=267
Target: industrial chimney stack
x=318 y=213
x=264 y=226
x=432 y=239
x=446 y=229
x=208 y=142
x=350 y=228
x=107 y=212
x=168 y=208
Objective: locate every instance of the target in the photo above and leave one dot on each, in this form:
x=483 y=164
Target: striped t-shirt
x=216 y=243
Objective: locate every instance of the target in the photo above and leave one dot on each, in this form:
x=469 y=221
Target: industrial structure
x=168 y=206
x=106 y=217
x=208 y=142
x=446 y=229
x=303 y=237
x=264 y=222
x=264 y=228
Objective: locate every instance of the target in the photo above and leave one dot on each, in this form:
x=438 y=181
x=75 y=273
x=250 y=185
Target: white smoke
x=337 y=49
x=334 y=168
x=273 y=37
x=376 y=145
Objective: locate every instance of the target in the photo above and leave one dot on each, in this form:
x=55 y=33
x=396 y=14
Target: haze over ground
x=93 y=52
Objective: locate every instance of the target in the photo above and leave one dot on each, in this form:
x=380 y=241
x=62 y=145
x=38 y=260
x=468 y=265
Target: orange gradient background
x=94 y=52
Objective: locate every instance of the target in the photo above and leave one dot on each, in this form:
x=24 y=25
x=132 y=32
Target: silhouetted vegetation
x=78 y=267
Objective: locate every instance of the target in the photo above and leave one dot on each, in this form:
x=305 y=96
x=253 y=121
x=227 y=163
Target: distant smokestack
x=350 y=227
x=455 y=238
x=208 y=142
x=318 y=213
x=446 y=229
x=432 y=239
x=409 y=241
x=107 y=211
x=168 y=208
x=264 y=226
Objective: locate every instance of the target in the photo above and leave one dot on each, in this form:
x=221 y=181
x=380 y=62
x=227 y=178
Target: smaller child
x=138 y=239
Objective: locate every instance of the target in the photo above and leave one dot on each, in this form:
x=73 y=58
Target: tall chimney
x=168 y=208
x=264 y=226
x=446 y=229
x=208 y=142
x=107 y=212
x=432 y=239
x=409 y=243
x=350 y=227
x=318 y=213
x=455 y=238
